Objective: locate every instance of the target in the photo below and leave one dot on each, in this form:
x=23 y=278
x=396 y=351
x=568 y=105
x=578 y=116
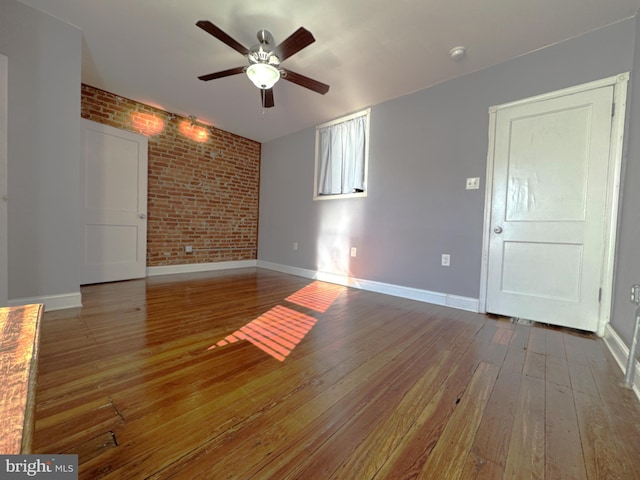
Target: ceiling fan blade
x=305 y=82
x=267 y=98
x=298 y=40
x=223 y=73
x=210 y=28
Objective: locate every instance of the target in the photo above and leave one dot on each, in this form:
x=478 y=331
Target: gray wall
x=628 y=253
x=423 y=146
x=43 y=151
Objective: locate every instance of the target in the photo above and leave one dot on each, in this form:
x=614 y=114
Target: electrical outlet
x=188 y=249
x=446 y=260
x=295 y=245
x=635 y=294
x=354 y=251
x=473 y=183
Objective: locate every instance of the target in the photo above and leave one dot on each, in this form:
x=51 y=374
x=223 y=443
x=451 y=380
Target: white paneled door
x=548 y=215
x=113 y=204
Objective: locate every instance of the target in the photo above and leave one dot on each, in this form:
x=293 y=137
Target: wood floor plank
x=582 y=380
x=478 y=468
x=503 y=336
x=88 y=420
x=563 y=450
x=554 y=343
x=449 y=455
x=520 y=337
x=93 y=447
x=488 y=331
x=491 y=442
x=378 y=388
x=583 y=349
x=556 y=364
x=535 y=365
x=621 y=408
x=556 y=370
x=526 y=456
x=603 y=450
x=514 y=360
x=489 y=352
x=413 y=449
x=537 y=340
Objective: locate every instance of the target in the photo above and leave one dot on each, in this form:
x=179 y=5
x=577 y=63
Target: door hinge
x=613 y=109
x=600 y=295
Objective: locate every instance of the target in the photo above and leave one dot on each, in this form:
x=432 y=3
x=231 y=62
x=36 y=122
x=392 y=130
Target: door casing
x=619 y=82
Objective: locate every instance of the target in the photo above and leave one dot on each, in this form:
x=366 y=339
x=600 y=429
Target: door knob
x=498 y=230
x=142 y=216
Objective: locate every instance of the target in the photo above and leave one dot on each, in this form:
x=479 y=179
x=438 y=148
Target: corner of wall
x=620 y=353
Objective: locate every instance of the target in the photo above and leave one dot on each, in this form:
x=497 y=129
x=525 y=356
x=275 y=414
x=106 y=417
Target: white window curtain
x=342 y=157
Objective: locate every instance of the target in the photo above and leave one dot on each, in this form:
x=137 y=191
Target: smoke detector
x=457 y=53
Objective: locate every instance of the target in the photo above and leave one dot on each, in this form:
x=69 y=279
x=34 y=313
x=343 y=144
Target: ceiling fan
x=264 y=68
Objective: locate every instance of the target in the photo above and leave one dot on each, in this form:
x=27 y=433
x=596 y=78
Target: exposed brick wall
x=202 y=191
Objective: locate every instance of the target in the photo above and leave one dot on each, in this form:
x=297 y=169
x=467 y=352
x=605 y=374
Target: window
x=342 y=153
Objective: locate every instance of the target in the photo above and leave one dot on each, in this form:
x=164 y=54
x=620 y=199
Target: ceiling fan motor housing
x=259 y=55
x=265 y=37
x=262 y=52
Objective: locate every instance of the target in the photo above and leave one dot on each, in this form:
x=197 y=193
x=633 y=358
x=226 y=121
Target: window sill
x=340 y=196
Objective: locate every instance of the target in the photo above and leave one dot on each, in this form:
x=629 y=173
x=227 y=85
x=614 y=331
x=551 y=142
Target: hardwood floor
x=235 y=375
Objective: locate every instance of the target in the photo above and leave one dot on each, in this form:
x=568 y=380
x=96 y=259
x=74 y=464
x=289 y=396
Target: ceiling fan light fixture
x=263 y=75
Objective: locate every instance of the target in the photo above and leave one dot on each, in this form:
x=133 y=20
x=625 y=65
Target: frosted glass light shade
x=263 y=75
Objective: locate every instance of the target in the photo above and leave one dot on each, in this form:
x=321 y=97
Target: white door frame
x=619 y=82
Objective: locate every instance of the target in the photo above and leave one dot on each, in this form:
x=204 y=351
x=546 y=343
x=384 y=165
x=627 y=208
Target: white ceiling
x=369 y=51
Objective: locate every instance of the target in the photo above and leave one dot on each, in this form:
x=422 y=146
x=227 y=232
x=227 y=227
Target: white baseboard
x=73 y=300
x=621 y=354
x=453 y=301
x=51 y=302
x=199 y=267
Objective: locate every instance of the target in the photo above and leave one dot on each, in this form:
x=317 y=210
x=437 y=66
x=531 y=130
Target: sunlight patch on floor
x=278 y=331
